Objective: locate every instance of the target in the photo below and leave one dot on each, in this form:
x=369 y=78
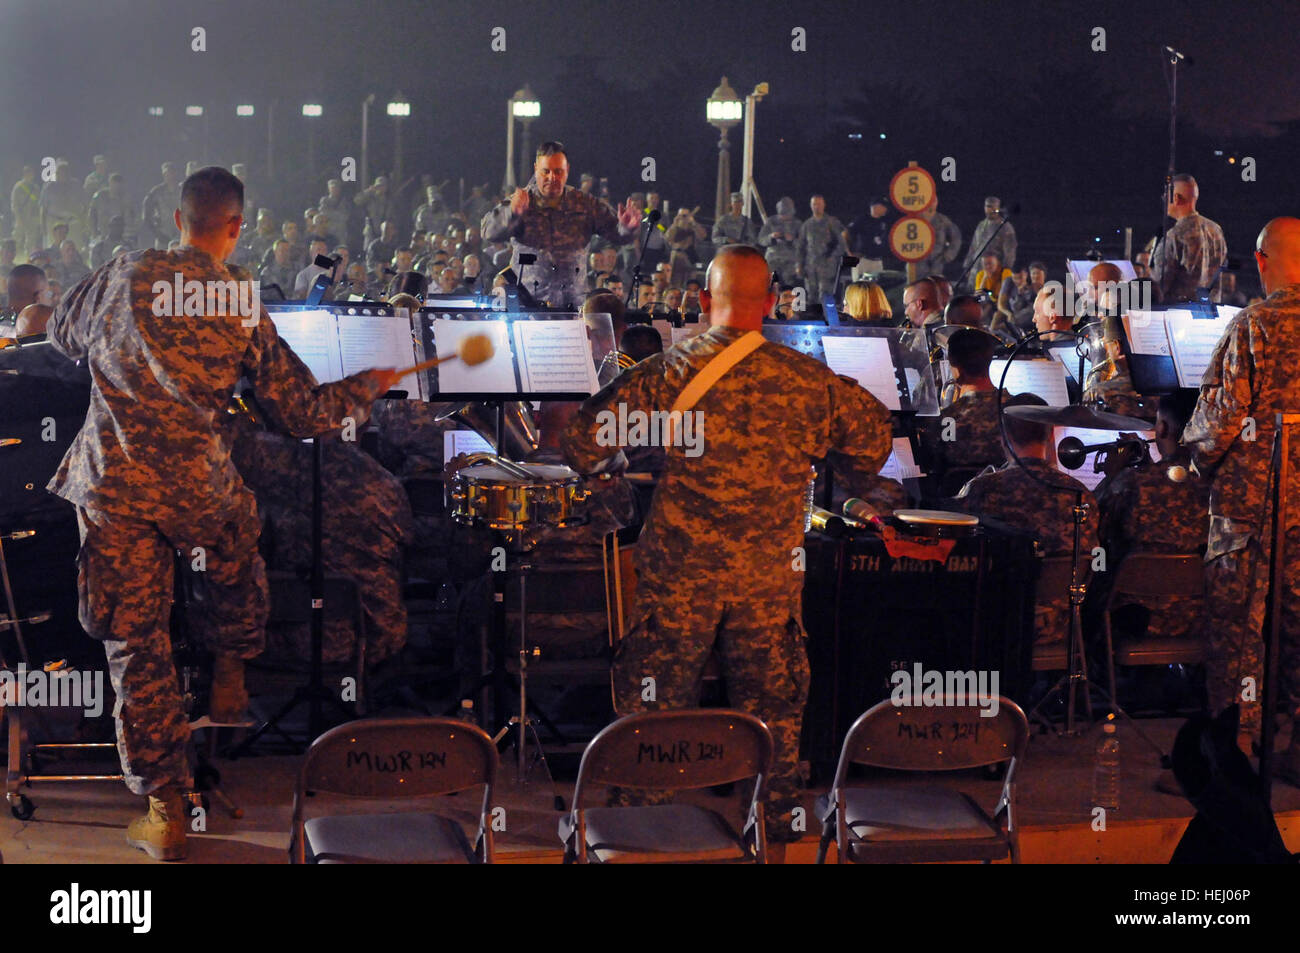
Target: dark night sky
x=617 y=81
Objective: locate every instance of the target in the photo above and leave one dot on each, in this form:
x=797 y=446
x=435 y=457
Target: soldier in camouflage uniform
x=967 y=433
x=150 y=473
x=1143 y=510
x=1001 y=241
x=821 y=247
x=947 y=241
x=25 y=204
x=156 y=228
x=555 y=222
x=367 y=523
x=1019 y=499
x=734 y=227
x=1191 y=253
x=780 y=236
x=716 y=560
x=1252 y=377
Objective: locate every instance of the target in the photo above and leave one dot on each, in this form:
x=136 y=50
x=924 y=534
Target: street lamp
x=311 y=111
x=399 y=109
x=197 y=112
x=245 y=111
x=723 y=109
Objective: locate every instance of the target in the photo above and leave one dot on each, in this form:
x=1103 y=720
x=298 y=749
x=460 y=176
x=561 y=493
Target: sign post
x=911 y=238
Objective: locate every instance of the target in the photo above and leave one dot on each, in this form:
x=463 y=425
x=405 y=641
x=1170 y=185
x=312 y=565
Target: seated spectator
x=865 y=303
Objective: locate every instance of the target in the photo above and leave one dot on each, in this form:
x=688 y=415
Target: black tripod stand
x=313 y=694
x=1075 y=677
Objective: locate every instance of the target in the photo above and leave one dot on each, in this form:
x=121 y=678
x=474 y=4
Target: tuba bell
x=519 y=434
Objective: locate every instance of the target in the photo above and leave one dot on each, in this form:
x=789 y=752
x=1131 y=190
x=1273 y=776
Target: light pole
x=245 y=111
x=365 y=139
x=522 y=105
x=747 y=187
x=156 y=114
x=311 y=111
x=197 y=112
x=526 y=108
x=399 y=109
x=723 y=109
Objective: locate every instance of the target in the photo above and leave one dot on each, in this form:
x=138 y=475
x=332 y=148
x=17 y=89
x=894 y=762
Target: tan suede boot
x=229 y=701
x=161 y=832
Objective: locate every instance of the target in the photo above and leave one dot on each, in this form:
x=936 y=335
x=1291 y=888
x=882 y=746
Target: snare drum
x=940 y=524
x=488 y=495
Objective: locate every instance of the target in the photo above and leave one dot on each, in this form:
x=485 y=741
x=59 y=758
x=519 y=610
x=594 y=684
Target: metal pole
x=524 y=174
x=724 y=175
x=365 y=140
x=270 y=142
x=398 y=121
x=509 y=181
x=747 y=157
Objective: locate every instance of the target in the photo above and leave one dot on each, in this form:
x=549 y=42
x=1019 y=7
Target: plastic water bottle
x=466 y=712
x=1105 y=779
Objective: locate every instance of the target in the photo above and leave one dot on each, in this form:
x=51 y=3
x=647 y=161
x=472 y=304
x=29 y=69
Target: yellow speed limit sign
x=911 y=189
x=911 y=238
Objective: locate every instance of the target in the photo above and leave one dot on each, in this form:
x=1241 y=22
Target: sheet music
x=456 y=442
x=867 y=361
x=367 y=341
x=1085 y=474
x=1043 y=377
x=314 y=337
x=494 y=376
x=665 y=329
x=1070 y=361
x=1193 y=341
x=1146 y=332
x=554 y=357
x=901 y=464
x=1227 y=311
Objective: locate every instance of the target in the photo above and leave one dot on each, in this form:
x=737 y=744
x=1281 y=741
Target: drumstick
x=473 y=349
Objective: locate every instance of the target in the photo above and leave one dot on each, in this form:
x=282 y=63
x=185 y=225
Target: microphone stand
x=988 y=241
x=1078 y=587
x=649 y=223
x=1174 y=58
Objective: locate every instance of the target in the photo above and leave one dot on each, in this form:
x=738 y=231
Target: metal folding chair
x=389 y=759
x=924 y=823
x=669 y=751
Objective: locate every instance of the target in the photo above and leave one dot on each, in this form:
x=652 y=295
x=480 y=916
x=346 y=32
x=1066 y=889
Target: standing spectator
x=1191 y=254
x=733 y=228
x=25 y=204
x=865 y=302
x=780 y=237
x=377 y=206
x=947 y=241
x=821 y=248
x=98 y=179
x=112 y=202
x=998 y=235
x=867 y=237
x=681 y=237
x=156 y=224
x=336 y=210
x=63 y=201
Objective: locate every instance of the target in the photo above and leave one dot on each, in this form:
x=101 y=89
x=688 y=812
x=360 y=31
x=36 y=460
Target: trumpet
x=1073 y=452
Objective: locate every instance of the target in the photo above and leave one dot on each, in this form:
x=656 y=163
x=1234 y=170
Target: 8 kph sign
x=911 y=238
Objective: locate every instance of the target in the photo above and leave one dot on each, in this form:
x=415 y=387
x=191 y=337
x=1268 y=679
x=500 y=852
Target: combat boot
x=161 y=832
x=229 y=701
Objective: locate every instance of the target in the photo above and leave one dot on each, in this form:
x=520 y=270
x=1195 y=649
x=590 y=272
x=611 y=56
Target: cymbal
x=1076 y=416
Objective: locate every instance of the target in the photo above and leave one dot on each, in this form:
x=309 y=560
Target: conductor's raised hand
x=387 y=378
x=519 y=202
x=629 y=216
